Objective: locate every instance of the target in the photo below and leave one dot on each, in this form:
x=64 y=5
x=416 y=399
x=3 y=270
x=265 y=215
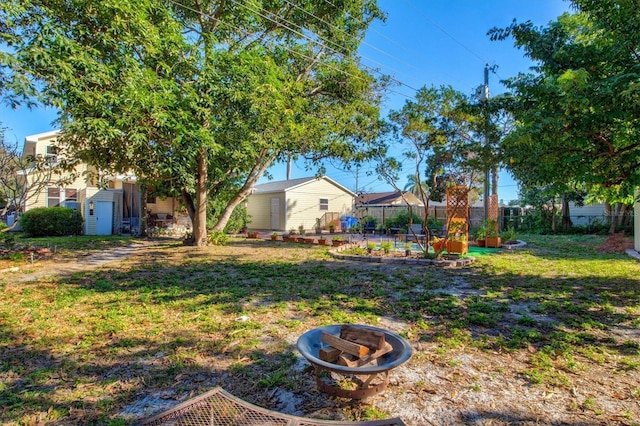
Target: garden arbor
x=458 y=219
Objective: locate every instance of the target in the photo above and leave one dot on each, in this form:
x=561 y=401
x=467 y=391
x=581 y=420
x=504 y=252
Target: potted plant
x=437 y=244
x=332 y=228
x=493 y=237
x=302 y=230
x=322 y=240
x=252 y=234
x=386 y=246
x=480 y=235
x=338 y=241
x=458 y=244
x=275 y=236
x=318 y=226
x=509 y=236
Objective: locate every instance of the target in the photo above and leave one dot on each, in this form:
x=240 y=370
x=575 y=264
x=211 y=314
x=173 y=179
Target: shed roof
x=287 y=185
x=387 y=198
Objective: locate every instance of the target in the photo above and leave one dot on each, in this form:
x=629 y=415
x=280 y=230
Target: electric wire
x=204 y=14
x=365 y=43
x=322 y=45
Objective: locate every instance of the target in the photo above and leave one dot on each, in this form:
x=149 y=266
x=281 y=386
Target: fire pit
x=354 y=376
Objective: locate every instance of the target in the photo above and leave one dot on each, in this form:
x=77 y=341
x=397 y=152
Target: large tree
x=578 y=112
x=198 y=96
x=437 y=135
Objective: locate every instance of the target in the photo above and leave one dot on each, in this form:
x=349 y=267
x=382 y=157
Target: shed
x=289 y=204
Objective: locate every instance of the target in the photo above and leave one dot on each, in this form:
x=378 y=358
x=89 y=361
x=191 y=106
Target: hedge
x=51 y=221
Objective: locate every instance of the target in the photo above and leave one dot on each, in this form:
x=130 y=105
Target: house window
x=71 y=199
x=52 y=154
x=53 y=197
x=324 y=204
x=71 y=194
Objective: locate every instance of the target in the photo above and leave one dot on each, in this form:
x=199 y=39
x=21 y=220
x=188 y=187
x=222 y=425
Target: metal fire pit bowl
x=352 y=382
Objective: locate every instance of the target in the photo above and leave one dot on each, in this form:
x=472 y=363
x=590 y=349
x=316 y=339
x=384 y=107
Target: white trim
x=37 y=137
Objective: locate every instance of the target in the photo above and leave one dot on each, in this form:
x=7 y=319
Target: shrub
x=217 y=238
x=51 y=222
x=401 y=220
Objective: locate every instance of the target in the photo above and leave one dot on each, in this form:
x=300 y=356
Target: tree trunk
x=622 y=215
x=494 y=181
x=615 y=217
x=242 y=194
x=200 y=208
x=566 y=216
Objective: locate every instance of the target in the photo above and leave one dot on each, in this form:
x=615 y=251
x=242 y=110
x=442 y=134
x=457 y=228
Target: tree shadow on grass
x=173 y=328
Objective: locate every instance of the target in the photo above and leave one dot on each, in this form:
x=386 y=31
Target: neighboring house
x=116 y=209
x=289 y=204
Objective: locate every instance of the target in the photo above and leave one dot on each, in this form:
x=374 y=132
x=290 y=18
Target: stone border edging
x=519 y=244
x=453 y=263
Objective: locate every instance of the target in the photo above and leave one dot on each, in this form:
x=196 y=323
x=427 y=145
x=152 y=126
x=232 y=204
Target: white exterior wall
x=40 y=199
x=96 y=194
x=162 y=206
x=581 y=216
x=636 y=222
x=303 y=203
x=259 y=210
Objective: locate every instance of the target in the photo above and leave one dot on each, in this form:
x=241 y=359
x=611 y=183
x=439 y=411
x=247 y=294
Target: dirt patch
x=617 y=243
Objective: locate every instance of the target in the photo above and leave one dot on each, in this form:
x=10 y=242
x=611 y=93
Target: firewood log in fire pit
x=355 y=347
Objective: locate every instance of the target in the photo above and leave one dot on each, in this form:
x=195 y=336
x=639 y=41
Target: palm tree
x=416 y=187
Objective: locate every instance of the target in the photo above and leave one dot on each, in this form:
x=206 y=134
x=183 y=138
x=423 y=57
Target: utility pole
x=483 y=96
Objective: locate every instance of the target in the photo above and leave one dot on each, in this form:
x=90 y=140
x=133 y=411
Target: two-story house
x=114 y=209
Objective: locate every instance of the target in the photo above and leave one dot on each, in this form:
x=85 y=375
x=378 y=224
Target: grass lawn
x=548 y=333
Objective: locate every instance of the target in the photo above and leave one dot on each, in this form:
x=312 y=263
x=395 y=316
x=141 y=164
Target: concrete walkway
x=85 y=261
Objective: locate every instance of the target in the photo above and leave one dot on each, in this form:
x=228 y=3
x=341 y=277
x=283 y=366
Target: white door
x=104 y=217
x=275 y=213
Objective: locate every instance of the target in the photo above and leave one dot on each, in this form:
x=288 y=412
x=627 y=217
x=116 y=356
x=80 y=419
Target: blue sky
x=423 y=42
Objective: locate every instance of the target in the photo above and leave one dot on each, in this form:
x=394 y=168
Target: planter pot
x=438 y=245
x=252 y=235
x=323 y=242
x=494 y=242
x=460 y=247
x=289 y=239
x=338 y=243
x=480 y=243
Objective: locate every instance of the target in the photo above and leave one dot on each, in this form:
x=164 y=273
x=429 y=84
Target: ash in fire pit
x=360 y=356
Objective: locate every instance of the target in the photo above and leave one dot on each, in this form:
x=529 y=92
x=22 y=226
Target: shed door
x=275 y=213
x=104 y=217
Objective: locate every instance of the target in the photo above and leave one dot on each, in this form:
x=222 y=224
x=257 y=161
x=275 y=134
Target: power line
x=432 y=22
x=239 y=29
x=365 y=43
x=322 y=45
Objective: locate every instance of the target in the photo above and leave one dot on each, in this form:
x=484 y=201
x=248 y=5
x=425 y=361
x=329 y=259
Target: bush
x=51 y=221
x=401 y=220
